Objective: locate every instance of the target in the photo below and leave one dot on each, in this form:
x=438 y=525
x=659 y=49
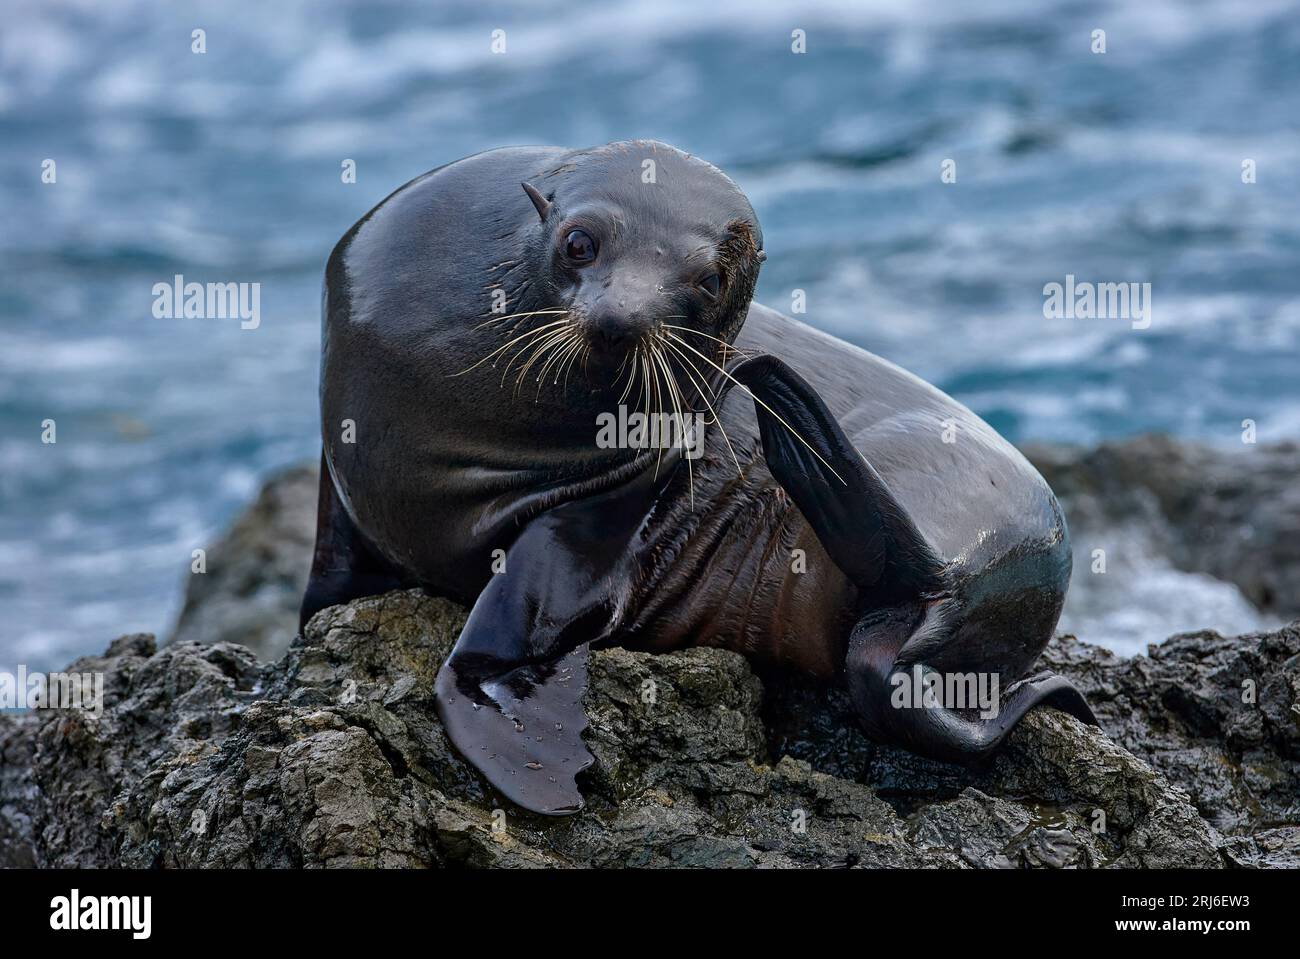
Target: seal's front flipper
x=862 y=527
x=510 y=694
x=522 y=728
x=344 y=567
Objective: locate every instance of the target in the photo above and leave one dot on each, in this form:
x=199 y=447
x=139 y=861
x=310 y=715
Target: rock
x=1192 y=535
x=1180 y=709
x=1218 y=716
x=63 y=771
x=1231 y=515
x=257 y=572
x=334 y=757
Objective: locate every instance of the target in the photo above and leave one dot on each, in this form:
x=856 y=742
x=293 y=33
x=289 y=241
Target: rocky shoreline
x=331 y=754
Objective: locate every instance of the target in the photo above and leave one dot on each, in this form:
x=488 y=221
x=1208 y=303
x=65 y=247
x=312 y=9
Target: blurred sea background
x=226 y=166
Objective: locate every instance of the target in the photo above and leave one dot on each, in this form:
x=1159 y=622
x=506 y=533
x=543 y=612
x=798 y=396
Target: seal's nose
x=624 y=311
x=616 y=331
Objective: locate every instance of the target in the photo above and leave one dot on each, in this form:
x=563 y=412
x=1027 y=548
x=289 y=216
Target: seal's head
x=642 y=243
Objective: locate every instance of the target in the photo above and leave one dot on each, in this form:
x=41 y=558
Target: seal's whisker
x=581 y=347
x=584 y=353
x=698 y=379
x=639 y=371
x=632 y=373
x=525 y=353
x=777 y=416
x=635 y=369
x=726 y=347
x=631 y=378
x=562 y=313
x=645 y=382
x=549 y=329
x=513 y=316
x=539 y=349
x=679 y=401
x=703 y=389
x=657 y=422
x=533 y=350
x=556 y=352
x=566 y=358
x=511 y=342
x=551 y=351
x=565 y=347
x=622 y=366
x=657 y=366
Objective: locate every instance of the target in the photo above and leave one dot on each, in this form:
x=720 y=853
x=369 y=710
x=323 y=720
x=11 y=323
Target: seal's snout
x=614 y=334
x=614 y=337
x=620 y=316
x=618 y=328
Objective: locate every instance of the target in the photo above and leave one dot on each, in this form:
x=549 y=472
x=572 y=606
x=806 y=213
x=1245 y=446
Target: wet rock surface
x=334 y=757
x=256 y=573
x=1219 y=716
x=1232 y=515
x=1186 y=535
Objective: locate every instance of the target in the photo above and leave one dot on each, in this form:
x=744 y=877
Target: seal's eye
x=711 y=284
x=580 y=247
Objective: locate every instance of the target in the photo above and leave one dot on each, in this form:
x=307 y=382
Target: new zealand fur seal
x=840 y=517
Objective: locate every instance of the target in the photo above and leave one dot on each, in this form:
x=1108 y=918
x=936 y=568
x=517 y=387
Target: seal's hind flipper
x=343 y=566
x=862 y=527
x=510 y=694
x=882 y=663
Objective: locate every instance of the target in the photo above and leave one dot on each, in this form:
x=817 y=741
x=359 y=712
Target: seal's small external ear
x=542 y=204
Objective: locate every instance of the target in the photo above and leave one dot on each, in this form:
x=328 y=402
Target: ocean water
x=225 y=166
